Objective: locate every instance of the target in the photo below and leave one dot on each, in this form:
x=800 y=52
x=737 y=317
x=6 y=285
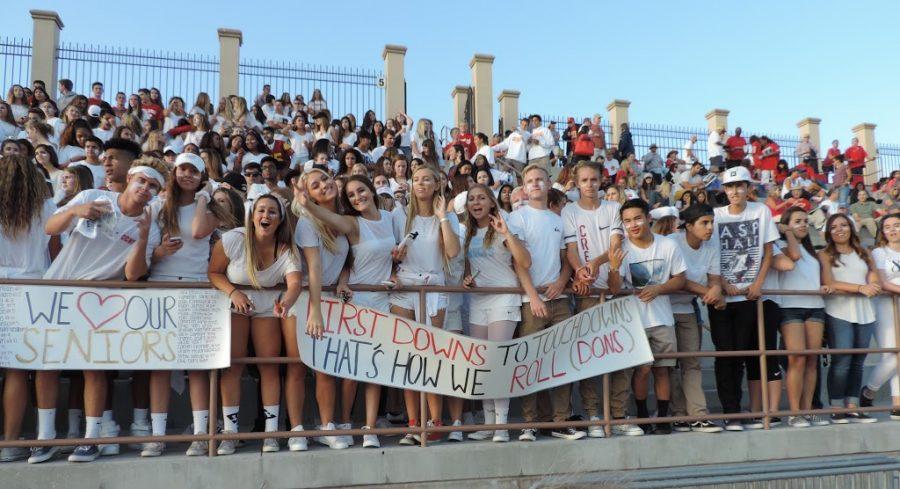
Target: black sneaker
x=705 y=426
x=734 y=425
x=865 y=401
x=860 y=418
x=774 y=421
x=895 y=414
x=85 y=453
x=42 y=454
x=662 y=429
x=568 y=434
x=839 y=418
x=753 y=424
x=682 y=426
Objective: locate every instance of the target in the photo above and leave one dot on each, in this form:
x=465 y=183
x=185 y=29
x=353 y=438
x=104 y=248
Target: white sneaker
x=455 y=435
x=331 y=441
x=347 y=438
x=226 y=447
x=153 y=449
x=528 y=434
x=596 y=431
x=797 y=422
x=109 y=430
x=370 y=441
x=136 y=430
x=297 y=443
x=197 y=449
x=627 y=430
x=480 y=435
x=270 y=445
x=818 y=420
x=501 y=436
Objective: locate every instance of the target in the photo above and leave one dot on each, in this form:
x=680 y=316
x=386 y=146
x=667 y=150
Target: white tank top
x=191 y=261
x=495 y=269
x=856 y=309
x=372 y=255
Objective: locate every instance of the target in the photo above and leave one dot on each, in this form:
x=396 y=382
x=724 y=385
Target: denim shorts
x=794 y=315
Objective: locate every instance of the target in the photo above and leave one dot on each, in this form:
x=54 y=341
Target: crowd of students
x=281 y=192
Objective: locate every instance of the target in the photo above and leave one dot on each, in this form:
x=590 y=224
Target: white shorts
x=434 y=302
x=379 y=301
x=453 y=321
x=263 y=303
x=484 y=316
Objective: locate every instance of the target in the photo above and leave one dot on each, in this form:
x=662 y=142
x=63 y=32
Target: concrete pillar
x=716 y=119
x=460 y=95
x=810 y=127
x=509 y=110
x=483 y=86
x=230 y=41
x=865 y=132
x=44 y=43
x=617 y=114
x=394 y=79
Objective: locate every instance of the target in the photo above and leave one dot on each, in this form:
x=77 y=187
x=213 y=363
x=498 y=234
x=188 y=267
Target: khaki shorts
x=662 y=340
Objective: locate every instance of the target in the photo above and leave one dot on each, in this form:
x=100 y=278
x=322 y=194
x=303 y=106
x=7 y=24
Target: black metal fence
x=346 y=90
x=888 y=159
x=16 y=55
x=128 y=69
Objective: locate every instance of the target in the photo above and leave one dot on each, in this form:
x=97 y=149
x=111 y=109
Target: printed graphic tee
x=740 y=239
x=653 y=265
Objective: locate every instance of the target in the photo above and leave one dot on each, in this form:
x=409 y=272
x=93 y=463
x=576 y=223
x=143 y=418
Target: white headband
x=150 y=172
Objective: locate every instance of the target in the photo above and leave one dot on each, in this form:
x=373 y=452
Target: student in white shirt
x=422 y=260
x=541 y=143
x=112 y=238
x=92 y=148
x=370 y=232
x=389 y=136
x=483 y=148
x=199 y=127
x=301 y=141
x=515 y=148
x=400 y=179
x=653 y=266
x=492 y=251
x=260 y=254
x=703 y=280
x=592 y=226
x=324 y=251
x=802 y=317
x=744 y=233
x=542 y=232
x=887 y=263
x=850 y=319
x=25 y=207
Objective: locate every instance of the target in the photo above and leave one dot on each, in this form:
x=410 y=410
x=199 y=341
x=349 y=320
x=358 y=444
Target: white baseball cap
x=190 y=159
x=736 y=174
x=661 y=212
x=94 y=111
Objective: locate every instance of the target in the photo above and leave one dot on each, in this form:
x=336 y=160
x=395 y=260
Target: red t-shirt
x=829 y=157
x=156 y=112
x=734 y=146
x=468 y=142
x=856 y=156
x=771 y=161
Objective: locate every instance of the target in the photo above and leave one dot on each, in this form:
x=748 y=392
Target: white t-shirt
x=806 y=275
x=7 y=130
x=423 y=254
x=886 y=261
x=251 y=158
x=713 y=148
x=740 y=239
x=349 y=139
x=701 y=263
x=495 y=269
x=233 y=245
x=27 y=255
x=514 y=145
x=104 y=135
x=487 y=152
x=372 y=260
x=612 y=166
x=591 y=230
x=191 y=261
x=301 y=152
x=855 y=308
x=542 y=233
x=653 y=265
x=102 y=257
x=307 y=236
x=66 y=153
x=688 y=151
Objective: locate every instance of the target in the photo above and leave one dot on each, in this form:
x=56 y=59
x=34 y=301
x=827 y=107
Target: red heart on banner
x=103 y=307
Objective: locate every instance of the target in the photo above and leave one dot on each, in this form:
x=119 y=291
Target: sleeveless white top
x=856 y=309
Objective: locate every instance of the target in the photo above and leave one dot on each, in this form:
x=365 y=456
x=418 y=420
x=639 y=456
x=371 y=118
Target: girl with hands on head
x=259 y=255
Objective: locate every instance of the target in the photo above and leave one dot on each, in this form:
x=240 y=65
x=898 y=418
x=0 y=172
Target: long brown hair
x=23 y=192
x=831 y=248
x=880 y=238
x=168 y=214
x=284 y=236
x=472 y=224
x=806 y=242
x=84 y=180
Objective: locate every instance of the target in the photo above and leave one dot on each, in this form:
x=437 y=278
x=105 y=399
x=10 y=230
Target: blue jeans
x=845 y=374
x=844 y=194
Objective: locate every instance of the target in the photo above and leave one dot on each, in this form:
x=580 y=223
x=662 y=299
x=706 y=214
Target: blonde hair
x=326 y=234
x=23 y=192
x=472 y=224
x=283 y=237
x=412 y=210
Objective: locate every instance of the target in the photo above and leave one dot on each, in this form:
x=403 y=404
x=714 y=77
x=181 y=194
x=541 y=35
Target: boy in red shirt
x=734 y=149
x=856 y=158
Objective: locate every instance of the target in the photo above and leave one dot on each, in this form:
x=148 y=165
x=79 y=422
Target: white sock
x=141 y=417
x=75 y=416
x=92 y=426
x=108 y=416
x=46 y=424
x=201 y=421
x=489 y=413
x=501 y=408
x=271 y=413
x=230 y=417
x=158 y=421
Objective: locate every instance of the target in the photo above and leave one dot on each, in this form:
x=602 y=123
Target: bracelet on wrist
x=232 y=292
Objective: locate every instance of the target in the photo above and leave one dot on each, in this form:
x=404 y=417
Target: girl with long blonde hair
x=258 y=255
x=429 y=241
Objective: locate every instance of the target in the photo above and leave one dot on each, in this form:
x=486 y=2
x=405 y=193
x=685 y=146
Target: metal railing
x=16 y=55
x=607 y=422
x=888 y=159
x=346 y=90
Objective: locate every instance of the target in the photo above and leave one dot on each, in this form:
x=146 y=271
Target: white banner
x=78 y=328
x=377 y=347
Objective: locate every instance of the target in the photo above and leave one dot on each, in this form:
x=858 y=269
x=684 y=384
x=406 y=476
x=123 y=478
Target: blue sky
x=770 y=63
